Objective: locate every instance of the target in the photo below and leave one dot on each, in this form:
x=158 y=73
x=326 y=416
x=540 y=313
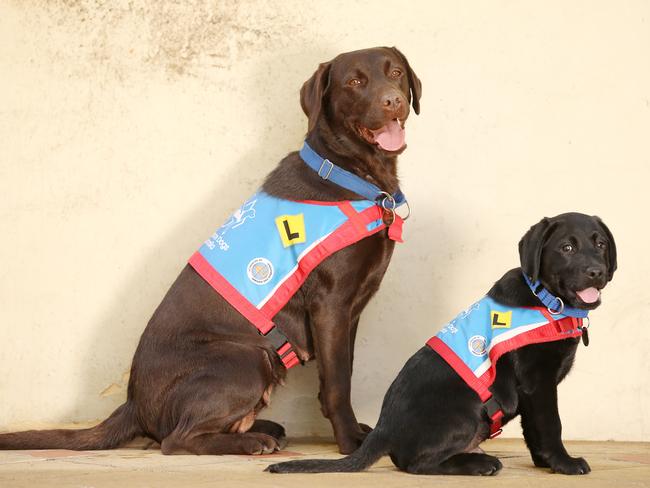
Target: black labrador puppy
x=432 y=420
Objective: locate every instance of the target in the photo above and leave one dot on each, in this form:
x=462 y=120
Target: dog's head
x=365 y=95
x=573 y=255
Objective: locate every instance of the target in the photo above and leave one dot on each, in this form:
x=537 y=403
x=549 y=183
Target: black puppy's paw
x=540 y=462
x=570 y=465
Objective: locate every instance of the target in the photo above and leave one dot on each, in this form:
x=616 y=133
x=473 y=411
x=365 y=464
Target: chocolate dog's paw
x=570 y=465
x=257 y=443
x=365 y=428
x=354 y=439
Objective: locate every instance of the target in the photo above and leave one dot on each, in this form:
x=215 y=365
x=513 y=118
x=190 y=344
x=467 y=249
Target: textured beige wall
x=130 y=129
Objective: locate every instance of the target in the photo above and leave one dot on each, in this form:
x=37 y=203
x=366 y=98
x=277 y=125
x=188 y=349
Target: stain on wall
x=183 y=37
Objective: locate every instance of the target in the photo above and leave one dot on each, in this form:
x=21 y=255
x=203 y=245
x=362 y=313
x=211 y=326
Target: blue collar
x=554 y=304
x=329 y=171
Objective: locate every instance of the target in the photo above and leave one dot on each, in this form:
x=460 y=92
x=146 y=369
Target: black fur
x=430 y=419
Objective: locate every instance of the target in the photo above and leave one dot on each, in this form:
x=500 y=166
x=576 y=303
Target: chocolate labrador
x=437 y=411
x=201 y=371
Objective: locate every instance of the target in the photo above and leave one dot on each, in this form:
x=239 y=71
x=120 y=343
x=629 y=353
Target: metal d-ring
x=390 y=198
x=583 y=326
x=560 y=310
x=408 y=207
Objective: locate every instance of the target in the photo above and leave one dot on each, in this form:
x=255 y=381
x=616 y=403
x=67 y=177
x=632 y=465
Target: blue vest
x=473 y=342
x=261 y=256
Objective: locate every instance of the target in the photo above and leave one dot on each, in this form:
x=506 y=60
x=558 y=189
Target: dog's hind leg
x=219 y=443
x=210 y=437
x=217 y=407
x=472 y=464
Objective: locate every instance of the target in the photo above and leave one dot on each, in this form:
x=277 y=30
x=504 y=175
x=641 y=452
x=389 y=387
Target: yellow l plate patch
x=291 y=229
x=500 y=320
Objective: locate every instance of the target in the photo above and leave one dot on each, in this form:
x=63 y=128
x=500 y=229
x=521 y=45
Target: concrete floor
x=614 y=464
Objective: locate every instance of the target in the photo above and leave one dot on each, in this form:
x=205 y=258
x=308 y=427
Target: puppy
x=502 y=357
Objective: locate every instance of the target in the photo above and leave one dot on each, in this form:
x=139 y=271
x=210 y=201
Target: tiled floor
x=614 y=464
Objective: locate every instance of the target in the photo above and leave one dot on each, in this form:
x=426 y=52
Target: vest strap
x=495 y=413
x=283 y=347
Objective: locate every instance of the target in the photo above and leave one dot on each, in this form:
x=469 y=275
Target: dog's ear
x=531 y=245
x=611 y=249
x=414 y=82
x=312 y=93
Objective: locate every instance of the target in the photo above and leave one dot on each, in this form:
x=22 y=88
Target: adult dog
x=432 y=421
x=202 y=372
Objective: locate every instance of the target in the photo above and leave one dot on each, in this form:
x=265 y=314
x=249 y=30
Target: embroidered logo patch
x=239 y=216
x=500 y=320
x=291 y=229
x=260 y=271
x=477 y=345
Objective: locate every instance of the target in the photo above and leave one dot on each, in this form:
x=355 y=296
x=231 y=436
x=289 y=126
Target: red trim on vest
x=352 y=231
x=554 y=330
x=459 y=366
x=344 y=236
x=395 y=229
x=230 y=293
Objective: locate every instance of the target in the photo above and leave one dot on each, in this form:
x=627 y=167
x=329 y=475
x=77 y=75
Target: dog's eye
x=396 y=73
x=567 y=248
x=601 y=245
x=354 y=82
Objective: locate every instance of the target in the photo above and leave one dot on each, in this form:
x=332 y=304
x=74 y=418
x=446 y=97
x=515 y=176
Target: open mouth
x=390 y=137
x=588 y=296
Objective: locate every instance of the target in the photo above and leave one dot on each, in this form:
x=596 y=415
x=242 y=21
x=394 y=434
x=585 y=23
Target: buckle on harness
x=495 y=414
x=492 y=406
x=329 y=169
x=283 y=347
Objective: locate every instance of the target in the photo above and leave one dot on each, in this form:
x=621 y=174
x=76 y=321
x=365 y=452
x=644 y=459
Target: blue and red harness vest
x=473 y=342
x=264 y=252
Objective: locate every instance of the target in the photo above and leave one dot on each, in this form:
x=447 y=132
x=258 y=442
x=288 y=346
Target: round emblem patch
x=477 y=345
x=260 y=271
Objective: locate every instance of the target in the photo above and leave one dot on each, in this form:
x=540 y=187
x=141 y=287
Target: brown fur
x=201 y=371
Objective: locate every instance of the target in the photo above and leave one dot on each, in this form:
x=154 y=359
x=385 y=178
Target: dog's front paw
x=365 y=428
x=539 y=461
x=353 y=439
x=569 y=465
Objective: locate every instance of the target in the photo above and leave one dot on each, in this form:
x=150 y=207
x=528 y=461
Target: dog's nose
x=392 y=101
x=595 y=271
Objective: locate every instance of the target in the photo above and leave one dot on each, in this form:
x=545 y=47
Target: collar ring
x=559 y=310
x=387 y=202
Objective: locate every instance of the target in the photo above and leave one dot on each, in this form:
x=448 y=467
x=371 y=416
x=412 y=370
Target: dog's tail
x=373 y=447
x=113 y=432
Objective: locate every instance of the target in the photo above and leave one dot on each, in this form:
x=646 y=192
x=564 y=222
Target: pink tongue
x=391 y=136
x=589 y=295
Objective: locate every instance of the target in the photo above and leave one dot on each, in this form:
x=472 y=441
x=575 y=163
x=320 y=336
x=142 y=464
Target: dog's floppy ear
x=611 y=249
x=414 y=82
x=312 y=92
x=531 y=245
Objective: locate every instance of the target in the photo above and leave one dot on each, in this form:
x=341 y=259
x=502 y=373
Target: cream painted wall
x=129 y=130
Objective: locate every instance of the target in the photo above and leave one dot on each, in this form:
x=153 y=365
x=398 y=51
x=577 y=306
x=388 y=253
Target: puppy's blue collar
x=329 y=171
x=554 y=304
